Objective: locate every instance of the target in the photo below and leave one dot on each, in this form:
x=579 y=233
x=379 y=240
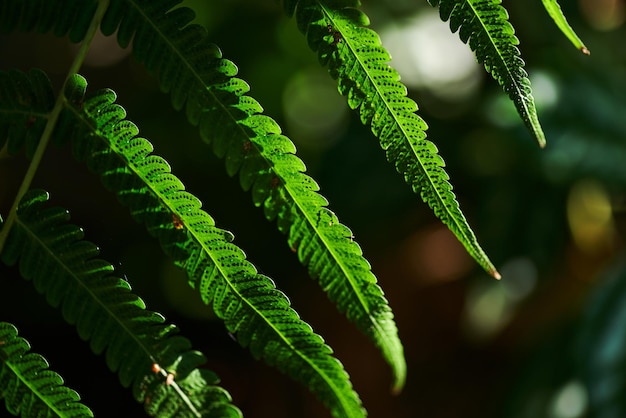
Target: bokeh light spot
x=487 y=310
x=427 y=55
x=590 y=217
x=570 y=401
x=519 y=278
x=490 y=305
x=437 y=256
x=545 y=90
x=603 y=14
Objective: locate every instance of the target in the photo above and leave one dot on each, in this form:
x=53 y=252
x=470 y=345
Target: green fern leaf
x=356 y=58
x=484 y=24
x=138 y=345
x=25 y=102
x=250 y=305
x=29 y=387
x=204 y=83
x=555 y=12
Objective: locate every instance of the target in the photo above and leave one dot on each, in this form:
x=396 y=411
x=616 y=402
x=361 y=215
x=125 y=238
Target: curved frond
x=204 y=84
x=248 y=302
x=485 y=26
x=28 y=386
x=137 y=343
x=26 y=100
x=357 y=59
x=555 y=12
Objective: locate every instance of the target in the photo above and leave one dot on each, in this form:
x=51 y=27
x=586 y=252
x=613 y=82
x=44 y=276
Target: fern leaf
x=484 y=24
x=356 y=58
x=555 y=12
x=25 y=102
x=52 y=253
x=29 y=387
x=248 y=302
x=204 y=83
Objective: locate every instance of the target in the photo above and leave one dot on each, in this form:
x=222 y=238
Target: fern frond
x=485 y=25
x=28 y=386
x=555 y=12
x=25 y=102
x=357 y=59
x=248 y=302
x=204 y=83
x=63 y=266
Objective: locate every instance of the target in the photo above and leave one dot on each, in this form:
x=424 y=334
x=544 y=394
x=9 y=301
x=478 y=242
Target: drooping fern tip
x=555 y=12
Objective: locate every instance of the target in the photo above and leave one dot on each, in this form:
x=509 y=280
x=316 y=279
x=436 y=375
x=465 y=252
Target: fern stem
x=52 y=120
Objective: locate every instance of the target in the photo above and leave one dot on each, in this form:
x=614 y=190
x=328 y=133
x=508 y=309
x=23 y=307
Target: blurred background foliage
x=549 y=340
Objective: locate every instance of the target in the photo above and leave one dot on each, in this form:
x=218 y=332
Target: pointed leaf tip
x=542 y=143
x=537 y=131
x=555 y=12
x=496 y=275
x=399 y=381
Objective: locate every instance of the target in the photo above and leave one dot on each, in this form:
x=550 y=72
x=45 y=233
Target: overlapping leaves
x=252 y=308
x=63 y=266
x=356 y=58
x=204 y=84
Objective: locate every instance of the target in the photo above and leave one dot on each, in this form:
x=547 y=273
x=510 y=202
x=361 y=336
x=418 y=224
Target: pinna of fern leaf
x=63 y=266
x=484 y=25
x=28 y=386
x=248 y=302
x=554 y=10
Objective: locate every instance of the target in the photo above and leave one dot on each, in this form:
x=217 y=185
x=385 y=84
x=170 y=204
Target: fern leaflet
x=31 y=389
x=53 y=254
x=555 y=12
x=248 y=302
x=356 y=58
x=484 y=24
